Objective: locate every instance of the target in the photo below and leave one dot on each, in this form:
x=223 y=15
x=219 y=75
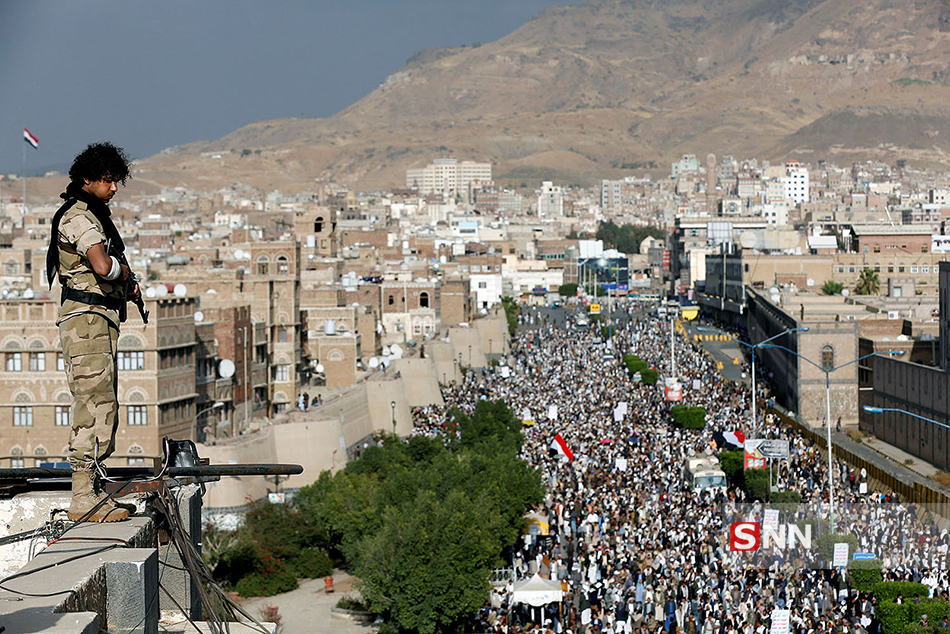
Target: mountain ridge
x=587 y=88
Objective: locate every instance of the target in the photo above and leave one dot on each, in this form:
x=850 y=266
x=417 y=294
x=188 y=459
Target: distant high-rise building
x=796 y=182
x=550 y=200
x=449 y=177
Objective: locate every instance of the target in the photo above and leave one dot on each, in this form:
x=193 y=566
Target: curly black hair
x=99 y=161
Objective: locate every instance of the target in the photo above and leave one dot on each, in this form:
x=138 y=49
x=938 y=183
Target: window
x=282 y=373
x=841 y=269
x=913 y=268
x=483 y=285
x=60 y=362
x=282 y=265
x=923 y=248
x=22 y=415
x=281 y=334
x=16 y=463
x=318 y=225
x=135 y=455
x=925 y=269
x=850 y=269
x=262 y=267
x=138 y=415
x=827 y=358
x=423 y=300
x=877 y=248
x=62 y=416
x=900 y=269
x=134 y=360
x=11 y=268
x=14 y=362
x=391 y=300
x=37 y=362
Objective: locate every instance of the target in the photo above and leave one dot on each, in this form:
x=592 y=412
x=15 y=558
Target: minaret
x=711 y=198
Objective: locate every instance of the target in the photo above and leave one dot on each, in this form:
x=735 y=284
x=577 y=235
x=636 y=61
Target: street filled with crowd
x=636 y=549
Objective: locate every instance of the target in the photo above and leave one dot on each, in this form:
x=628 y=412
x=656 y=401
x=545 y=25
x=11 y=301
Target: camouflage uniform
x=88 y=334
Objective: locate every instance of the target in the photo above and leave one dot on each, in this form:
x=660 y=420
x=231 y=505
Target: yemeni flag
x=735 y=439
x=29 y=138
x=561 y=447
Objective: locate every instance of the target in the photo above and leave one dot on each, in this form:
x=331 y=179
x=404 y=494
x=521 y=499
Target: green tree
x=626 y=238
x=868 y=283
x=688 y=417
x=427 y=568
x=511 y=314
x=422 y=523
x=831 y=287
x=567 y=290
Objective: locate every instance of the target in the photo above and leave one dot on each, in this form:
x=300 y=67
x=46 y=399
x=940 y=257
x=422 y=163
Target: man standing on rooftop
x=96 y=287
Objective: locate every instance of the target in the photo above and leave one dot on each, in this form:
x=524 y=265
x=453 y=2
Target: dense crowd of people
x=635 y=548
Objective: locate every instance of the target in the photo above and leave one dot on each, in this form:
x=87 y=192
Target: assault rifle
x=139 y=303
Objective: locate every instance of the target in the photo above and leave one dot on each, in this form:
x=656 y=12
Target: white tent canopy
x=537 y=591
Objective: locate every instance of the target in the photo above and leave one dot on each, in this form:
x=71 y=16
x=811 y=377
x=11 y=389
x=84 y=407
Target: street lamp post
x=469 y=355
x=752 y=347
x=392 y=404
x=202 y=411
x=828 y=369
x=455 y=370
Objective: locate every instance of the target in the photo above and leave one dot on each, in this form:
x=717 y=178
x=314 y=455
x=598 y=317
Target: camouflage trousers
x=89 y=353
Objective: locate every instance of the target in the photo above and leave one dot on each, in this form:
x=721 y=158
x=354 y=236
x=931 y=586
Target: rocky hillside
x=591 y=90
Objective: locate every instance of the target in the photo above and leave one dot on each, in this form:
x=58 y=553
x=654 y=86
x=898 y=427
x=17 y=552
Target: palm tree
x=868 y=283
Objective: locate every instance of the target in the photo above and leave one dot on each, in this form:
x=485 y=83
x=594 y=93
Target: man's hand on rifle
x=135 y=293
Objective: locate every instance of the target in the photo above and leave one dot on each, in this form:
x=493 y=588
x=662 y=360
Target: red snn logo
x=744 y=536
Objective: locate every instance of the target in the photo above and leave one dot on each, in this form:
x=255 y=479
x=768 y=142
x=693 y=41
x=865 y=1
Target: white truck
x=704 y=473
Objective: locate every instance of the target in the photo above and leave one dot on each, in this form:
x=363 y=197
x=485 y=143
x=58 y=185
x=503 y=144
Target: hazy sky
x=151 y=74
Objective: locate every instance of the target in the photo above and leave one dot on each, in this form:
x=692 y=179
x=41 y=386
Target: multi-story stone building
x=156 y=367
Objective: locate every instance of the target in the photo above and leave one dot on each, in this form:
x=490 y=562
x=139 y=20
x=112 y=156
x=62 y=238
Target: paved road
x=306 y=610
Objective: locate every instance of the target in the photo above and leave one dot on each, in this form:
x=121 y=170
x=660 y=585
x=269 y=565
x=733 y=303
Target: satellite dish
x=180 y=290
x=373 y=362
x=199 y=316
x=226 y=368
x=845 y=292
x=809 y=282
x=395 y=350
x=386 y=350
x=320 y=368
x=28 y=293
x=162 y=290
x=238 y=254
x=211 y=291
x=150 y=292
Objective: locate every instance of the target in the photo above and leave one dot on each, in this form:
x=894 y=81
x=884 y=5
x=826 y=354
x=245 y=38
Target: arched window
x=282 y=265
x=262 y=265
x=391 y=300
x=423 y=300
x=827 y=358
x=318 y=225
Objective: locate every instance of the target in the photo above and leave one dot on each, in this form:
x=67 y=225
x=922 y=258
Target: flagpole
x=24 y=180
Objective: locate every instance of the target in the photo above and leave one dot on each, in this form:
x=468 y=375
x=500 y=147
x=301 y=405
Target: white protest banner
x=841 y=555
x=552 y=412
x=770 y=518
x=780 y=621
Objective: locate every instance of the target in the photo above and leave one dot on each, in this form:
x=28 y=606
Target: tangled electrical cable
x=217 y=604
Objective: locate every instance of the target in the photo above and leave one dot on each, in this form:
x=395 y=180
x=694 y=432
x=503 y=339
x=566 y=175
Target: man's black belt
x=93 y=299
